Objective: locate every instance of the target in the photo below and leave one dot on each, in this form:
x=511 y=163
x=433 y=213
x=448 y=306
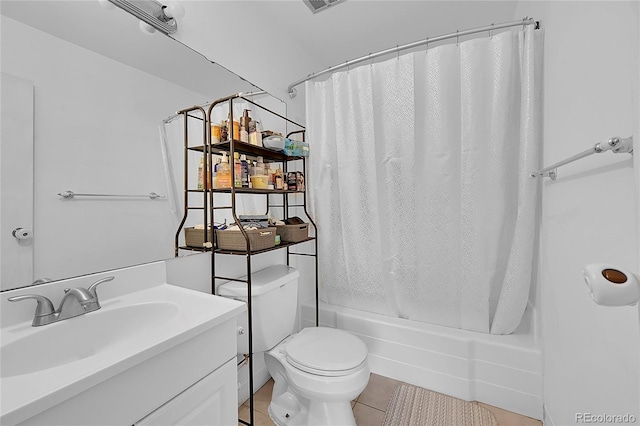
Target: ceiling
x=269 y=43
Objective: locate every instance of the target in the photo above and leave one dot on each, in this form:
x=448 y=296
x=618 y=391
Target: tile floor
x=369 y=408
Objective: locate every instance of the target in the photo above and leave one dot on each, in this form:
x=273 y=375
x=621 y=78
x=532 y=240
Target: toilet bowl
x=318 y=371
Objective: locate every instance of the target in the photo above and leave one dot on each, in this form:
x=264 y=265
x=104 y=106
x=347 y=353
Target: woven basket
x=195 y=237
x=293 y=233
x=259 y=239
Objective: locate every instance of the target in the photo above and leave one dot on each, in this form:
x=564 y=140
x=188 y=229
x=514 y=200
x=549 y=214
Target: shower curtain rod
x=523 y=22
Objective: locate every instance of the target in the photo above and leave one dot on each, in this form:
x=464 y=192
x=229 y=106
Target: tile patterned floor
x=369 y=408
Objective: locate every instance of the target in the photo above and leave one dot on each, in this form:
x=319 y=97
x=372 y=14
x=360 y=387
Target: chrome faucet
x=76 y=301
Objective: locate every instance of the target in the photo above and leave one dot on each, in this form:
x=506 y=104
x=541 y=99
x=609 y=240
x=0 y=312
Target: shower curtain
x=420 y=182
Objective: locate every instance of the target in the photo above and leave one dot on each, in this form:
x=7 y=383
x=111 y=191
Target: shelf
x=256 y=191
x=280 y=246
x=241 y=252
x=245 y=148
x=246 y=191
x=201 y=249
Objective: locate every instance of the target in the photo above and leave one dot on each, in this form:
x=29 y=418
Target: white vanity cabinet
x=211 y=401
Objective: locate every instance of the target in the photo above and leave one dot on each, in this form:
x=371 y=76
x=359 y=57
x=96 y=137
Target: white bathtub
x=503 y=371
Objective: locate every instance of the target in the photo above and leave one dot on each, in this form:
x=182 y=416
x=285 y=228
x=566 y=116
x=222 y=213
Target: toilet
x=318 y=371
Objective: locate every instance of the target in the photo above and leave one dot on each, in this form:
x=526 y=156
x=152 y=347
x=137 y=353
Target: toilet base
x=288 y=410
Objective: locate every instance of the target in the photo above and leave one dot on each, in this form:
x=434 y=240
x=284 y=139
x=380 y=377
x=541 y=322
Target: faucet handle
x=44 y=306
x=92 y=287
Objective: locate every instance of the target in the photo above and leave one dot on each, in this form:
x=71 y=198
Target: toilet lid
x=326 y=351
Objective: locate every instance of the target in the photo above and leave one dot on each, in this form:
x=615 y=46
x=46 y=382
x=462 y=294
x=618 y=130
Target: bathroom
x=569 y=356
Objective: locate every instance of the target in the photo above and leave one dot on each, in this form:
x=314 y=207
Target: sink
x=81 y=337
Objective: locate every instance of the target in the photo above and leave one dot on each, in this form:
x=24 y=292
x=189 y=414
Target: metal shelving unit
x=208 y=149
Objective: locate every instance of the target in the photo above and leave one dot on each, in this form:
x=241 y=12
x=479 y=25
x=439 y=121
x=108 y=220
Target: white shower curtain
x=420 y=182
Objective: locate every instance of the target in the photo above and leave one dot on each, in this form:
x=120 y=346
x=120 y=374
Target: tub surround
x=188 y=343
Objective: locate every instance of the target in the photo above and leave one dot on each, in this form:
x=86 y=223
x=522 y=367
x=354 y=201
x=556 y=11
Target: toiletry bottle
x=255 y=133
x=224 y=130
x=214 y=178
x=224 y=173
x=201 y=173
x=216 y=130
x=260 y=166
x=244 y=126
x=237 y=170
x=278 y=179
x=233 y=128
x=245 y=171
x=267 y=172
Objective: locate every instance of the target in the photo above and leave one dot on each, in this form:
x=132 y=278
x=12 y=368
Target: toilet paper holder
x=611 y=285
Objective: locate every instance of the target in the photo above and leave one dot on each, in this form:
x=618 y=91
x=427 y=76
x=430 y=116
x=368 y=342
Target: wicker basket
x=293 y=233
x=259 y=239
x=195 y=237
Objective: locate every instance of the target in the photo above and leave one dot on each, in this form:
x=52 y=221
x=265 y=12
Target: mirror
x=96 y=90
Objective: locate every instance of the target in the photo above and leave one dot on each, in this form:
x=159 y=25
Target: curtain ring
x=371 y=59
x=457 y=38
x=491 y=31
x=398 y=50
x=347 y=64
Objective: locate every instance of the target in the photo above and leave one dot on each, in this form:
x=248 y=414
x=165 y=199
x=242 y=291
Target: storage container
x=195 y=237
x=293 y=233
x=259 y=239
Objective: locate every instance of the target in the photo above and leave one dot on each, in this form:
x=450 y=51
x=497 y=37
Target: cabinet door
x=211 y=401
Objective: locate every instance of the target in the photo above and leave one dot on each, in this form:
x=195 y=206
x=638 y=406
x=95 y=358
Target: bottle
x=201 y=173
x=237 y=170
x=267 y=172
x=278 y=179
x=244 y=126
x=233 y=128
x=224 y=131
x=260 y=166
x=245 y=171
x=214 y=178
x=224 y=173
x=255 y=133
x=216 y=131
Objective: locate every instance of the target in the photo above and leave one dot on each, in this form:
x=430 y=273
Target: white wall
x=591 y=352
x=96 y=131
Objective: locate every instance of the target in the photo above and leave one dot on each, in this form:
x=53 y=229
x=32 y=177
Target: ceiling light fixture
x=153 y=15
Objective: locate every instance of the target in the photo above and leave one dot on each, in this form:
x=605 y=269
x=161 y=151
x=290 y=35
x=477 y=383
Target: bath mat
x=414 y=406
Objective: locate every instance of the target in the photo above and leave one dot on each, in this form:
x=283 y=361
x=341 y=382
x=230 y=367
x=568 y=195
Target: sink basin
x=81 y=337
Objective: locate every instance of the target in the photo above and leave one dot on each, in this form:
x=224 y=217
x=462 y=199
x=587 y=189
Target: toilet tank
x=274 y=301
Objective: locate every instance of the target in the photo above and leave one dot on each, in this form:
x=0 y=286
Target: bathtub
x=501 y=370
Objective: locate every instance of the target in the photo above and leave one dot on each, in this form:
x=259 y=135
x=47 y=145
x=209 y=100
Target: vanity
x=153 y=354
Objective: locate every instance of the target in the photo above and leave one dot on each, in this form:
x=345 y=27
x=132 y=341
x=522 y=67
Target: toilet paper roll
x=611 y=285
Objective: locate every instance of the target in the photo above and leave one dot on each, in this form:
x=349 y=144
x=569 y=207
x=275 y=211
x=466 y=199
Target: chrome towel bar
x=71 y=194
x=615 y=144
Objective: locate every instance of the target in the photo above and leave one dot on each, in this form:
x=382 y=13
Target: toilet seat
x=324 y=351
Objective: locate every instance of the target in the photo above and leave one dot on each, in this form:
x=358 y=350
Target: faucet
x=76 y=301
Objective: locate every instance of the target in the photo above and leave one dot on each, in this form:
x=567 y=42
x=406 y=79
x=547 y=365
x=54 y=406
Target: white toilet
x=318 y=371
